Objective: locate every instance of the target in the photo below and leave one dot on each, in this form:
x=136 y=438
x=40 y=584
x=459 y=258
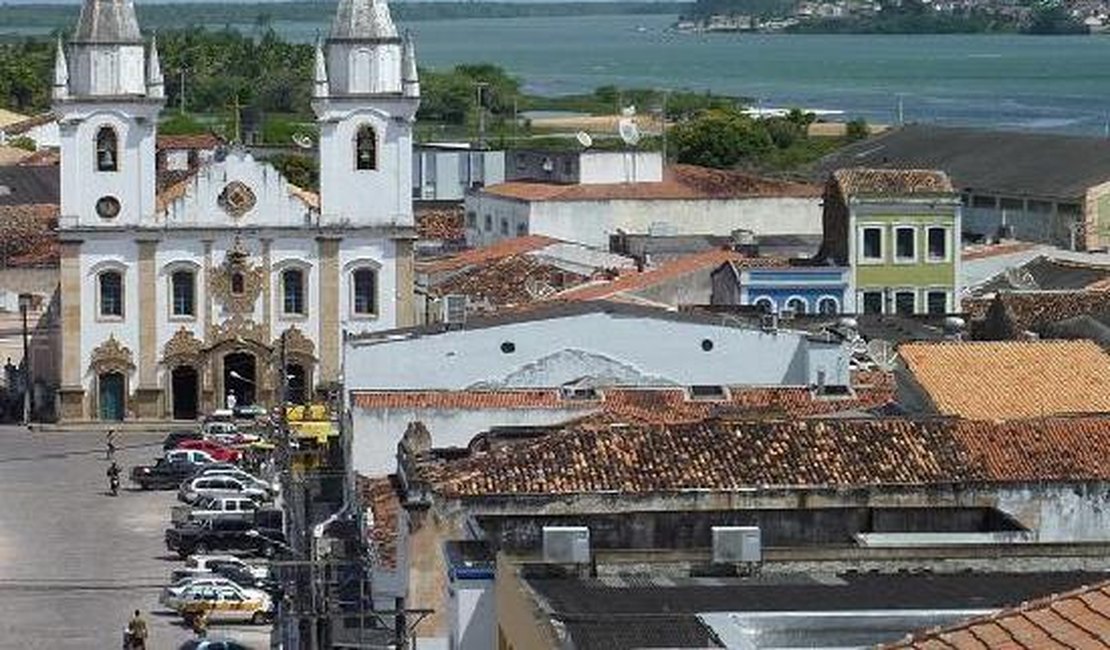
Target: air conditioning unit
x=566 y=545
x=454 y=309
x=737 y=545
x=769 y=322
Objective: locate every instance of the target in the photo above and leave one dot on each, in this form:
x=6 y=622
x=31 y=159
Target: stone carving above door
x=237 y=283
x=183 y=349
x=111 y=356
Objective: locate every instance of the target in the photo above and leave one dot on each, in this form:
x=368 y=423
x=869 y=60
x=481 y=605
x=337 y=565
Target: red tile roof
x=192 y=141
x=464 y=399
x=995 y=250
x=29 y=236
x=891 y=182
x=1071 y=620
x=679 y=182
x=495 y=251
x=705 y=261
x=379 y=495
x=729 y=455
x=441 y=224
x=508 y=282
x=1014 y=313
x=999 y=380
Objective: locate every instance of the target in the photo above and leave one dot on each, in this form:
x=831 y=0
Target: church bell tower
x=108 y=90
x=365 y=95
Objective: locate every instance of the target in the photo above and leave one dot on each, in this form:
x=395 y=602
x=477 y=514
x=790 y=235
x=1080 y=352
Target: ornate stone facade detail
x=238 y=328
x=237 y=199
x=297 y=346
x=184 y=349
x=237 y=283
x=110 y=356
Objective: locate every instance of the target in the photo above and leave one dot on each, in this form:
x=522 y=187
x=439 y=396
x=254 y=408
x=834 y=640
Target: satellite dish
x=628 y=111
x=302 y=140
x=882 y=353
x=584 y=139
x=629 y=132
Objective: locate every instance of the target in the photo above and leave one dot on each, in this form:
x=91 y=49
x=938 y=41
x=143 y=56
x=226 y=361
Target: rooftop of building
x=1049 y=273
x=1018 y=164
x=28 y=236
x=611 y=614
x=30 y=185
x=189 y=141
x=1076 y=618
x=1001 y=380
x=445 y=223
x=1010 y=314
x=862 y=182
x=729 y=455
x=379 y=496
x=107 y=21
x=679 y=182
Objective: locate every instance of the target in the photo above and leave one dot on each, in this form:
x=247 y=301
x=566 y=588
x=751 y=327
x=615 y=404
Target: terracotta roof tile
x=495 y=251
x=441 y=224
x=891 y=182
x=1013 y=313
x=998 y=380
x=379 y=495
x=679 y=182
x=1066 y=620
x=731 y=454
x=697 y=262
x=192 y=141
x=28 y=236
x=508 y=282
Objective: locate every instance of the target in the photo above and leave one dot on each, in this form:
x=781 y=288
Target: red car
x=218 y=452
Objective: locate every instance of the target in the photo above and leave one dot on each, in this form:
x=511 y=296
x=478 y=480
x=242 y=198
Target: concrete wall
x=621 y=349
x=446 y=175
x=519 y=626
x=472 y=605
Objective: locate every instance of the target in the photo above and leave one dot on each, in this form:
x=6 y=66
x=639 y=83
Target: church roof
x=363 y=20
x=108 y=21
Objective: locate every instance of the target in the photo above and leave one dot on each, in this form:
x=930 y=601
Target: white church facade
x=175 y=297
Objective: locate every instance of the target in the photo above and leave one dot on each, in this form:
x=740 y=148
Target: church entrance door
x=110 y=390
x=295 y=388
x=240 y=378
x=185 y=383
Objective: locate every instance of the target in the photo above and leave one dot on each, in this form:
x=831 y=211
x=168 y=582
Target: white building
x=625 y=198
x=173 y=300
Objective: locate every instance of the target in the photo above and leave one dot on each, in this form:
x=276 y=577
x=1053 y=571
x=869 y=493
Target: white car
x=215 y=508
x=227 y=604
x=220 y=486
x=247 y=477
x=175 y=594
x=200 y=566
x=195 y=456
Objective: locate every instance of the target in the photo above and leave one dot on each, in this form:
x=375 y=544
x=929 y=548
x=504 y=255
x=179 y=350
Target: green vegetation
x=25 y=70
x=726 y=138
x=262 y=15
x=608 y=100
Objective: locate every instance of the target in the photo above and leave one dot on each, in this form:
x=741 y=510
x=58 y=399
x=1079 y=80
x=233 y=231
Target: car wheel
x=258 y=618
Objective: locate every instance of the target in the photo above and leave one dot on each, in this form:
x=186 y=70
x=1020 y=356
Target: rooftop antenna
x=302 y=140
x=584 y=139
x=900 y=116
x=628 y=130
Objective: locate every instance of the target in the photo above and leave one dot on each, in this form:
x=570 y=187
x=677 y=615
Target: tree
x=857 y=129
x=721 y=138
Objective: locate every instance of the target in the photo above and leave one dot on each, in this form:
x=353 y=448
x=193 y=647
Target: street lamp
x=25 y=300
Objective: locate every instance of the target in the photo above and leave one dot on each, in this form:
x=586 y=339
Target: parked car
x=219 y=485
x=223 y=535
x=197 y=566
x=213 y=643
x=215 y=508
x=227 y=604
x=175 y=438
x=220 y=453
x=247 y=578
x=167 y=473
x=249 y=411
x=230 y=470
x=173 y=595
x=198 y=456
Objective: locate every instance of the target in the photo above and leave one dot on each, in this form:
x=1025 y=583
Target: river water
x=1054 y=83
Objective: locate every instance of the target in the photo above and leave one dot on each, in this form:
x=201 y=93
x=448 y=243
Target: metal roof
x=988 y=162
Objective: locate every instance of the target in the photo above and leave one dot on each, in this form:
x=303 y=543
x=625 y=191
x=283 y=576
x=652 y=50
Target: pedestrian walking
x=200 y=623
x=137 y=632
x=110 y=443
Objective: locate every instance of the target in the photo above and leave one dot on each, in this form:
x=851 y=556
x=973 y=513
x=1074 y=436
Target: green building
x=899 y=232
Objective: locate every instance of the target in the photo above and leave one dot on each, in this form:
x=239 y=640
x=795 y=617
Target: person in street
x=231 y=401
x=136 y=631
x=200 y=623
x=113 y=478
x=110 y=442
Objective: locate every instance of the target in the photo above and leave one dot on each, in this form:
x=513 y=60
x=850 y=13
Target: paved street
x=74 y=562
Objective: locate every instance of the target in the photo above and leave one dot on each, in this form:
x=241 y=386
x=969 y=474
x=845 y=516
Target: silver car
x=219 y=486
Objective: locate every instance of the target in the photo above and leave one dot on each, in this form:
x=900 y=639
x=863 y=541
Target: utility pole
x=181 y=94
x=28 y=385
x=481 y=91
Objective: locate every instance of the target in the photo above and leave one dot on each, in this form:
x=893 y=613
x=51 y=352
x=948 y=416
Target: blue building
x=798 y=288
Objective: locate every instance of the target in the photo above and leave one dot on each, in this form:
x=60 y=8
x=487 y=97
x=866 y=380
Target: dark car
x=234 y=535
x=175 y=438
x=163 y=474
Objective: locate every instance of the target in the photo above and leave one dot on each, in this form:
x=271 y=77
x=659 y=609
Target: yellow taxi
x=226 y=604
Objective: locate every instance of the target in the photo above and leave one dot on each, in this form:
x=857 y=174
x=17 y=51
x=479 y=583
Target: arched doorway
x=295 y=386
x=185 y=384
x=110 y=391
x=240 y=378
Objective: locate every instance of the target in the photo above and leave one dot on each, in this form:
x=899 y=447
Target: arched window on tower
x=107 y=150
x=111 y=294
x=292 y=288
x=366 y=148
